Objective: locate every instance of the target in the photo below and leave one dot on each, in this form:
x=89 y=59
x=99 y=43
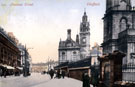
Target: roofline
x=79 y=68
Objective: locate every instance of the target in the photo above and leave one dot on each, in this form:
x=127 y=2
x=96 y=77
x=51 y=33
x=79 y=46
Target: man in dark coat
x=86 y=80
x=5 y=72
x=58 y=75
x=63 y=74
x=51 y=73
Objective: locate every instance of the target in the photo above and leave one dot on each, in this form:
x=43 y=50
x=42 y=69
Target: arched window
x=123 y=24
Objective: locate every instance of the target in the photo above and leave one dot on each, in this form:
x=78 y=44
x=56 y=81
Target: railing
x=128 y=73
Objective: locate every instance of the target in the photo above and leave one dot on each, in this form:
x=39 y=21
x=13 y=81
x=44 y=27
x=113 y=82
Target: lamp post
x=48 y=64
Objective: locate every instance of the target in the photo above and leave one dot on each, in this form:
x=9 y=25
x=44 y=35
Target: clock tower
x=84 y=37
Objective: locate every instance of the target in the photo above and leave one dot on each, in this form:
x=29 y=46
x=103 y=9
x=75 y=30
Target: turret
x=69 y=34
x=77 y=38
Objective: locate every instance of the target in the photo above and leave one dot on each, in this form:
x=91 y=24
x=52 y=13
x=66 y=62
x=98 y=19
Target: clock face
x=83 y=40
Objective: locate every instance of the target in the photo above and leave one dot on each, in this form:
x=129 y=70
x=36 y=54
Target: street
x=38 y=80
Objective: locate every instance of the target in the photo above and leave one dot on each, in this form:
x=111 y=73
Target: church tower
x=84 y=37
x=119 y=28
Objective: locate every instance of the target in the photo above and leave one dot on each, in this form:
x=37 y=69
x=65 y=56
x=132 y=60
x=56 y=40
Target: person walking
x=1 y=72
x=63 y=74
x=58 y=75
x=86 y=79
x=94 y=78
x=5 y=72
x=51 y=73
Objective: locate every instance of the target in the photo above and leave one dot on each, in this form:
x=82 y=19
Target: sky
x=41 y=23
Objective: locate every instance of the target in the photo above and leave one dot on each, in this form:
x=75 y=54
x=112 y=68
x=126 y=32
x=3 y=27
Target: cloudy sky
x=41 y=23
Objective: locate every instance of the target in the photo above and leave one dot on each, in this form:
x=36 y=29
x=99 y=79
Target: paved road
x=38 y=80
x=20 y=81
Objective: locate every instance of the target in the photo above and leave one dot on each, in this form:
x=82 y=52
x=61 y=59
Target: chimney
x=69 y=34
x=77 y=38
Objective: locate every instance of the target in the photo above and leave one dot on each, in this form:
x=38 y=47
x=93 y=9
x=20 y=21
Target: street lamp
x=48 y=64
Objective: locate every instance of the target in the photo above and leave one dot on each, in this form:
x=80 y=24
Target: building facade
x=119 y=29
x=9 y=52
x=70 y=50
x=25 y=59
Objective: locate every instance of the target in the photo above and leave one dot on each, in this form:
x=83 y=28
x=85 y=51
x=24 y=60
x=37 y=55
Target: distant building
x=25 y=58
x=95 y=52
x=70 y=50
x=40 y=67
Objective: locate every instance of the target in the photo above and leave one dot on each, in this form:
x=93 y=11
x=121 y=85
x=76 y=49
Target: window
x=132 y=55
x=74 y=55
x=63 y=55
x=123 y=24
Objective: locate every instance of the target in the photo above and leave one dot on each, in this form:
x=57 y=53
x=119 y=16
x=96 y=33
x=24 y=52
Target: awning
x=21 y=68
x=8 y=67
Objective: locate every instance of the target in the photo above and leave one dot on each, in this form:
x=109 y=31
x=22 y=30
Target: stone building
x=9 y=53
x=70 y=50
x=119 y=29
x=84 y=37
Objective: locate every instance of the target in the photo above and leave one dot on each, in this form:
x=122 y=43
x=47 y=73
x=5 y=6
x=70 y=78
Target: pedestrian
x=51 y=73
x=68 y=75
x=63 y=74
x=94 y=78
x=86 y=79
x=1 y=72
x=5 y=73
x=58 y=75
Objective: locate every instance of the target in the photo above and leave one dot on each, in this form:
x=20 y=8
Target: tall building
x=84 y=37
x=70 y=50
x=119 y=29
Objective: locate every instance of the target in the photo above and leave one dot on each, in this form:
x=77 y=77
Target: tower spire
x=84 y=9
x=84 y=18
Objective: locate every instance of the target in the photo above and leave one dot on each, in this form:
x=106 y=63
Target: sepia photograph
x=67 y=43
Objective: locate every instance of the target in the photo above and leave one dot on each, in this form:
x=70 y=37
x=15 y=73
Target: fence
x=128 y=73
